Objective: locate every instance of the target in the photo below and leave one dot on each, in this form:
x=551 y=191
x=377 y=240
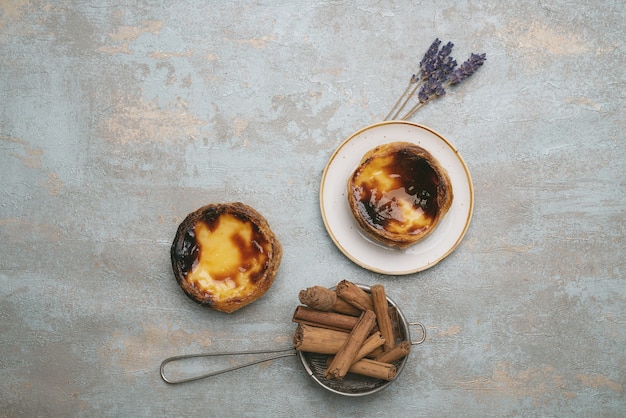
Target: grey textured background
x=119 y=118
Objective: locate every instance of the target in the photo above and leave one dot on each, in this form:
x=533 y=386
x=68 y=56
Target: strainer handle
x=419 y=324
x=279 y=354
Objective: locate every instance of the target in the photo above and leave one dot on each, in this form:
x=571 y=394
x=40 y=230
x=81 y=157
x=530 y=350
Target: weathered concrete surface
x=117 y=119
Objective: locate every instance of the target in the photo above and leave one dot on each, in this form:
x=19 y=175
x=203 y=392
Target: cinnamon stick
x=324 y=299
x=381 y=308
x=354 y=295
x=395 y=324
x=318 y=340
x=376 y=369
x=330 y=320
x=377 y=352
x=326 y=341
x=398 y=352
x=347 y=353
x=372 y=368
x=372 y=342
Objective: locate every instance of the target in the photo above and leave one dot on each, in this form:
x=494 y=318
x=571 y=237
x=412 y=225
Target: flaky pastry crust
x=225 y=256
x=399 y=193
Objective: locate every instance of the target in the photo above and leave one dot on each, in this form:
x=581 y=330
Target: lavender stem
x=437 y=71
x=406 y=90
x=413 y=110
x=408 y=97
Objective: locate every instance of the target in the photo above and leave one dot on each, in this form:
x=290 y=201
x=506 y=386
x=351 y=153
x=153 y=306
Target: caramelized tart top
x=398 y=193
x=225 y=256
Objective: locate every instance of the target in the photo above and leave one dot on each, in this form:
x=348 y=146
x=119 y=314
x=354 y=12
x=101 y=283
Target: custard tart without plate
x=398 y=193
x=225 y=256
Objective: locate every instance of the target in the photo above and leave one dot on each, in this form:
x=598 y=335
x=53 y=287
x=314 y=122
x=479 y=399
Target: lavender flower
x=437 y=71
x=468 y=68
x=430 y=54
x=430 y=89
x=439 y=64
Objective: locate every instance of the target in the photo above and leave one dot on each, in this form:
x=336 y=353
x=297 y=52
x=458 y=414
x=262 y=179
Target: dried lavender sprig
x=468 y=68
x=416 y=79
x=439 y=65
x=436 y=64
x=436 y=72
x=455 y=76
x=435 y=61
x=432 y=87
x=430 y=54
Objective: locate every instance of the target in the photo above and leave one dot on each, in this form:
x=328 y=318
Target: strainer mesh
x=354 y=384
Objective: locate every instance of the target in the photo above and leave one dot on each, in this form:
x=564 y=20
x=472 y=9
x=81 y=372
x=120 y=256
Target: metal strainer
x=316 y=364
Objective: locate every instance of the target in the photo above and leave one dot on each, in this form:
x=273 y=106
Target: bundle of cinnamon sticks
x=353 y=327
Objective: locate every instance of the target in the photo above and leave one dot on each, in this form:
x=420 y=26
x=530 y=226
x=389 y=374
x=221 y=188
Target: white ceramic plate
x=344 y=230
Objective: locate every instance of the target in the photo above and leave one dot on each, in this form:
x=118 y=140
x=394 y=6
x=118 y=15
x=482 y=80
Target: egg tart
x=399 y=193
x=225 y=256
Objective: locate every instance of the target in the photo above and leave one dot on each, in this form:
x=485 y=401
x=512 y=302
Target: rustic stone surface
x=117 y=119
